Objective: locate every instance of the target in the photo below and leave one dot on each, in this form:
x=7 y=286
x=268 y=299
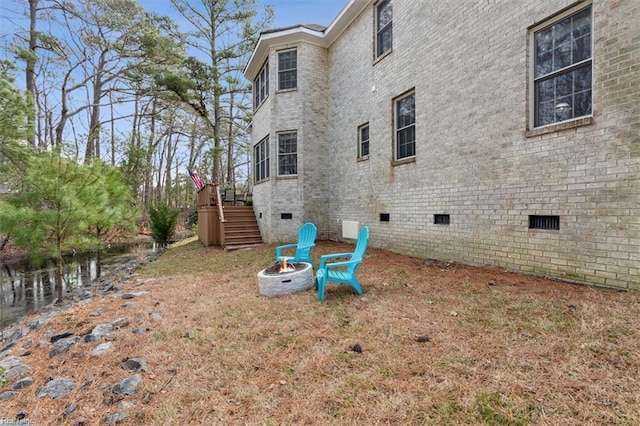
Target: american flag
x=195 y=179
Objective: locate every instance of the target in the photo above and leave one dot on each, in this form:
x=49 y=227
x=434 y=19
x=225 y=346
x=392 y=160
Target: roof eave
x=302 y=33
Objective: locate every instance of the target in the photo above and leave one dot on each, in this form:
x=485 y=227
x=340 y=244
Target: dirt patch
x=428 y=343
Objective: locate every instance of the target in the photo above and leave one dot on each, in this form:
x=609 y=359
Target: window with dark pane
x=287 y=154
x=287 y=69
x=261 y=160
x=261 y=86
x=562 y=69
x=363 y=141
x=384 y=27
x=405 y=122
x=441 y=219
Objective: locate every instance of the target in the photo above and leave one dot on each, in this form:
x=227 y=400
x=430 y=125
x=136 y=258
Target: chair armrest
x=326 y=257
x=339 y=264
x=280 y=248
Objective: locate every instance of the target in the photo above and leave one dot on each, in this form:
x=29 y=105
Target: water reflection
x=26 y=288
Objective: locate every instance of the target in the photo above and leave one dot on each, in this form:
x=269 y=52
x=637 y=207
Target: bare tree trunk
x=93 y=141
x=30 y=69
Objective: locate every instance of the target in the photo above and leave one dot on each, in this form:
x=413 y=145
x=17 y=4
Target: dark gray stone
x=139 y=330
x=128 y=386
x=90 y=338
x=56 y=388
x=57 y=337
x=70 y=409
x=7 y=346
x=63 y=345
x=5 y=396
x=135 y=364
x=22 y=383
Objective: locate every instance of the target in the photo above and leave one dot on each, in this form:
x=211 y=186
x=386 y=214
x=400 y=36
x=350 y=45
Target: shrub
x=163 y=223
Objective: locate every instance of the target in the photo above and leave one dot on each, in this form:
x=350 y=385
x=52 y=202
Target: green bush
x=163 y=223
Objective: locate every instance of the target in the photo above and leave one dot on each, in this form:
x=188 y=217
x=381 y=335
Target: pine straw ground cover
x=440 y=344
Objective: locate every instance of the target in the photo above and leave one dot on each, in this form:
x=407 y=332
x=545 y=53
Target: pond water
x=25 y=288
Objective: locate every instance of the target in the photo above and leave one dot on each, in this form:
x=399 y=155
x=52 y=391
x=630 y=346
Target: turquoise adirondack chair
x=342 y=272
x=306 y=241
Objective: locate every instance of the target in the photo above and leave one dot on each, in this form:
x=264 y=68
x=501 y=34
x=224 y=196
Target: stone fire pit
x=272 y=282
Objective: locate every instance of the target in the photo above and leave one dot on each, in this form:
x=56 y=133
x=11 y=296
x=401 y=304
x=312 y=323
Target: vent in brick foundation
x=385 y=217
x=286 y=215
x=441 y=219
x=544 y=222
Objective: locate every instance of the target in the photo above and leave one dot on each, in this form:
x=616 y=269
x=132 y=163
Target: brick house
x=481 y=132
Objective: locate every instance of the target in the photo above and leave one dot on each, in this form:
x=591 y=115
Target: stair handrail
x=219 y=202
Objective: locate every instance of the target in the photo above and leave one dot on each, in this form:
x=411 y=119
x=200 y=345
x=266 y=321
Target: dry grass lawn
x=441 y=344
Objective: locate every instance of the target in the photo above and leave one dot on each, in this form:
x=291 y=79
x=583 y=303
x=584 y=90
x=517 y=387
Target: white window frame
x=564 y=111
x=387 y=28
x=285 y=71
x=261 y=160
x=261 y=86
x=289 y=153
x=400 y=128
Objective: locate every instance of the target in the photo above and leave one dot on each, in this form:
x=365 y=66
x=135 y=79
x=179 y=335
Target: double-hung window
x=384 y=27
x=287 y=69
x=261 y=160
x=405 y=126
x=363 y=141
x=287 y=154
x=562 y=71
x=261 y=86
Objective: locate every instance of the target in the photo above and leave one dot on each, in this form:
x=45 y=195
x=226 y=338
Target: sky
x=286 y=12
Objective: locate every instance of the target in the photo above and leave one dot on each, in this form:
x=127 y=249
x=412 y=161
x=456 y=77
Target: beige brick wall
x=468 y=64
x=473 y=160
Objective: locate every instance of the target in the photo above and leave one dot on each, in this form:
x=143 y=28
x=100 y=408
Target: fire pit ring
x=274 y=283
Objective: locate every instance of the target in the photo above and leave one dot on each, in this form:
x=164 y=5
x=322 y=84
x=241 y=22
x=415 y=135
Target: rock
x=63 y=345
x=120 y=322
x=56 y=388
x=139 y=330
x=133 y=295
x=103 y=348
x=115 y=418
x=357 y=348
x=423 y=338
x=13 y=368
x=22 y=383
x=5 y=396
x=85 y=295
x=96 y=313
x=81 y=421
x=128 y=386
x=156 y=316
x=102 y=329
x=70 y=409
x=60 y=336
x=27 y=344
x=134 y=364
x=37 y=323
x=89 y=338
x=127 y=304
x=7 y=346
x=18 y=333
